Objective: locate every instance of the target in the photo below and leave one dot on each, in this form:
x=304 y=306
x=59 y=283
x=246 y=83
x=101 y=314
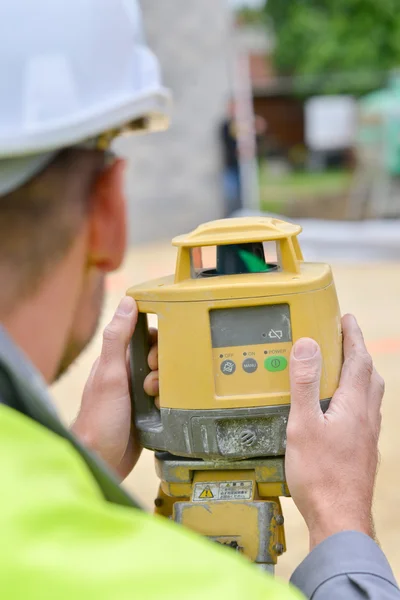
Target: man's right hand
x=332 y=458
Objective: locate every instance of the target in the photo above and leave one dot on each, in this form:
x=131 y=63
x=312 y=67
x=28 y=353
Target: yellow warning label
x=206 y=493
x=212 y=491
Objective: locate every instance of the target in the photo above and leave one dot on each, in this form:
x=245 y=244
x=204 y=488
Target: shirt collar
x=22 y=369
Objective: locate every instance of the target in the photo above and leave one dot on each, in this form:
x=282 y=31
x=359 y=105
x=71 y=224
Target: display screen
x=250 y=326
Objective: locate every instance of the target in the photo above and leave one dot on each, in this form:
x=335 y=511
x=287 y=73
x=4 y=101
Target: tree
x=322 y=37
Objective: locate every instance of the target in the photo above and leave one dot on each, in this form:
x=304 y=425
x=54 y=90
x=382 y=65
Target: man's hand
x=104 y=423
x=332 y=458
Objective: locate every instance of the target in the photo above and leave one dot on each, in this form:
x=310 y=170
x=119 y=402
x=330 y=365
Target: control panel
x=251 y=349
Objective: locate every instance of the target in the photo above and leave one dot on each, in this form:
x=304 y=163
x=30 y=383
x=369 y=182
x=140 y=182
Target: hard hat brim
x=153 y=105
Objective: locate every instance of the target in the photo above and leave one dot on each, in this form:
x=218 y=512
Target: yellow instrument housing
x=225 y=338
x=189 y=366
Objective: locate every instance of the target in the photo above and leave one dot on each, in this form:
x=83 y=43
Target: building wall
x=174 y=180
x=285 y=118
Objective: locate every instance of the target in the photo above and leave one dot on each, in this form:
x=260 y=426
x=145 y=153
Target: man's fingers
x=357 y=367
x=117 y=334
x=116 y=337
x=153 y=336
x=375 y=397
x=153 y=358
x=353 y=339
x=305 y=378
x=153 y=339
x=151 y=385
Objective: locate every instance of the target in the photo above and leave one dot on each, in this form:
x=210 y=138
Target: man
x=231 y=149
x=73 y=73
x=231 y=168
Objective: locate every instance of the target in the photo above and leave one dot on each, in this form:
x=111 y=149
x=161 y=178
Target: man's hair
x=39 y=220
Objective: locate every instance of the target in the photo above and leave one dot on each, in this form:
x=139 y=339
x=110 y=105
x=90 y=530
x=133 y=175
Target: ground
x=370 y=291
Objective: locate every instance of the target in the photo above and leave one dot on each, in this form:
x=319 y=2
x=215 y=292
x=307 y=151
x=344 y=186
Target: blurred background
x=289 y=108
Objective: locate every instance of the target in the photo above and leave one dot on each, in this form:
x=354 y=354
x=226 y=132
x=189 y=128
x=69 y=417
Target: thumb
x=117 y=335
x=305 y=379
x=104 y=421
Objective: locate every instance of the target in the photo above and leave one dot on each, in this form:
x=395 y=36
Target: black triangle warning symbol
x=206 y=493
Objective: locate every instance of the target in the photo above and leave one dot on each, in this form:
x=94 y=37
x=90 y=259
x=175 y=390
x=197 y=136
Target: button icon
x=228 y=367
x=275 y=334
x=250 y=365
x=275 y=363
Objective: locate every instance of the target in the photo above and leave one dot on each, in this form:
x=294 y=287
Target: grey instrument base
x=240 y=433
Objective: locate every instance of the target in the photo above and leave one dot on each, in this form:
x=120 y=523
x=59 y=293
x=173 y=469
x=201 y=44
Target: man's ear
x=107 y=219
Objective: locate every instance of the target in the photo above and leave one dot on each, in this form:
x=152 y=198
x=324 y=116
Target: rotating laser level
x=240 y=297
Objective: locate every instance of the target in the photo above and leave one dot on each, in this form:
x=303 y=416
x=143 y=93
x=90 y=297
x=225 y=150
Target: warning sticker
x=223 y=490
x=206 y=493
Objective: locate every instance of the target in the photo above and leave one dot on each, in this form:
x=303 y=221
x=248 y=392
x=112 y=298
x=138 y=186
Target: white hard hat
x=71 y=70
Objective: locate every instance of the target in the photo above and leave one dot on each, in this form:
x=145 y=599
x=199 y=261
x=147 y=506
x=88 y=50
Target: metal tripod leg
x=234 y=503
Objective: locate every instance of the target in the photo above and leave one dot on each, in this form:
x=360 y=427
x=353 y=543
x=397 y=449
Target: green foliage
x=316 y=37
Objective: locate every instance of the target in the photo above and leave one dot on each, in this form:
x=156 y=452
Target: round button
x=250 y=365
x=228 y=367
x=275 y=363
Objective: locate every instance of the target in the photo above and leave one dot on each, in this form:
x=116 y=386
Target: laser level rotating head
x=241 y=295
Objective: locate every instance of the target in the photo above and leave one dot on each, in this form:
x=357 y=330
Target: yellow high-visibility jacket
x=63 y=536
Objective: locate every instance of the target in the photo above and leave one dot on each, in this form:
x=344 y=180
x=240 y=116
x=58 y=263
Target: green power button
x=275 y=363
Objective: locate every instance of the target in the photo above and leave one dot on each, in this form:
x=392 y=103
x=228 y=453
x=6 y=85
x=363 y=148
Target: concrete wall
x=174 y=180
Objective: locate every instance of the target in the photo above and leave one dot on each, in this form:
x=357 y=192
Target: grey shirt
x=348 y=566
